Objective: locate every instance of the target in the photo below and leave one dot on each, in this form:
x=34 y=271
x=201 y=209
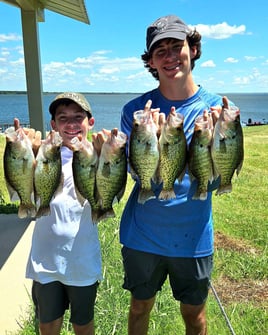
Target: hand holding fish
x=33 y=135
x=158 y=117
x=99 y=138
x=216 y=110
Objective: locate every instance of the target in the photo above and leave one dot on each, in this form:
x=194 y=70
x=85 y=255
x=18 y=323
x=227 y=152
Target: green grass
x=240 y=271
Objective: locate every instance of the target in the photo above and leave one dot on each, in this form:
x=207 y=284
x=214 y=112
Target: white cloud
x=208 y=63
x=109 y=70
x=247 y=79
x=230 y=60
x=5 y=53
x=219 y=31
x=17 y=62
x=9 y=37
x=250 y=58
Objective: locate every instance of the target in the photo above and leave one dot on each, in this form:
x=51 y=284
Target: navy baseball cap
x=169 y=26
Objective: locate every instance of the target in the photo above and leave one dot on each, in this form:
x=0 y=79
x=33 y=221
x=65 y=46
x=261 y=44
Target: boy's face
x=71 y=121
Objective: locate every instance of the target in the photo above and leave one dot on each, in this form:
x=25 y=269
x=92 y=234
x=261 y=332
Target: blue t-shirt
x=179 y=227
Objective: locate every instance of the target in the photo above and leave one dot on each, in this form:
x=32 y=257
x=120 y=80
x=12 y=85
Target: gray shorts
x=145 y=274
x=52 y=299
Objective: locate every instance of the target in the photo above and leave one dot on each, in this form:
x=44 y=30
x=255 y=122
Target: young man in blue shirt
x=169 y=238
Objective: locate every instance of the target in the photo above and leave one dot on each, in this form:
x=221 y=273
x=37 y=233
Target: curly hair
x=194 y=39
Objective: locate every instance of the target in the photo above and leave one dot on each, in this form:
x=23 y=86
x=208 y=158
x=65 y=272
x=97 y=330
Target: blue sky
x=105 y=55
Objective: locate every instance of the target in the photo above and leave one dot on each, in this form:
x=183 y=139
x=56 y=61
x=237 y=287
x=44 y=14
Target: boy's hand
x=99 y=138
x=158 y=117
x=33 y=135
x=216 y=110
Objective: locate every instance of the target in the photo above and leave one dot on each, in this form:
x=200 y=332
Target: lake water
x=107 y=107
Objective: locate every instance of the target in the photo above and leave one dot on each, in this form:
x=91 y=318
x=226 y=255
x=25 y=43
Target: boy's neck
x=178 y=91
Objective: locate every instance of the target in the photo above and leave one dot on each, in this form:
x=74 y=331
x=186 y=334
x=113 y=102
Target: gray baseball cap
x=75 y=97
x=169 y=26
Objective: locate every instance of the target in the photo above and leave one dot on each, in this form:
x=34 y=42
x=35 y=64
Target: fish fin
x=167 y=194
x=224 y=189
x=43 y=211
x=59 y=188
x=13 y=195
x=238 y=169
x=79 y=196
x=25 y=211
x=156 y=178
x=121 y=193
x=181 y=175
x=145 y=195
x=104 y=214
x=211 y=178
x=133 y=174
x=200 y=195
x=192 y=177
x=95 y=216
x=215 y=172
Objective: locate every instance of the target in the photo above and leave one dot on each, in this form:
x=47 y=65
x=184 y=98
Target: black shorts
x=52 y=299
x=145 y=274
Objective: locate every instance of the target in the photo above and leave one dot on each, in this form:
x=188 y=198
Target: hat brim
x=70 y=97
x=178 y=35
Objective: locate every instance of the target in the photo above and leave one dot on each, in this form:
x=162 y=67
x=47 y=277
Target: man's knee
x=141 y=306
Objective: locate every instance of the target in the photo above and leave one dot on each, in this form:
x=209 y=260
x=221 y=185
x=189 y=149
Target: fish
x=19 y=164
x=48 y=176
x=84 y=165
x=111 y=174
x=173 y=153
x=199 y=158
x=227 y=148
x=144 y=153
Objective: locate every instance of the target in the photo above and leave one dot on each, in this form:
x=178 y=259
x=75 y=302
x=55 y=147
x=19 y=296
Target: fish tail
x=26 y=210
x=43 y=211
x=95 y=216
x=167 y=194
x=224 y=189
x=145 y=195
x=104 y=214
x=200 y=195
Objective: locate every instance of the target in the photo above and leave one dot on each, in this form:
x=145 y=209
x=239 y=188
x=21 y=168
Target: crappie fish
x=200 y=160
x=173 y=151
x=84 y=165
x=144 y=153
x=111 y=173
x=48 y=174
x=227 y=148
x=19 y=162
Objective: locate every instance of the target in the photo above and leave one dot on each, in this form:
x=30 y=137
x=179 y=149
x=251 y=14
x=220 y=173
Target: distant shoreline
x=112 y=93
x=97 y=93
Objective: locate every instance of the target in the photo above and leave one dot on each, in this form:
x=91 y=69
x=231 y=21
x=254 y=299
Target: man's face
x=171 y=58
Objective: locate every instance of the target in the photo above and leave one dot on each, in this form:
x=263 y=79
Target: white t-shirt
x=65 y=244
